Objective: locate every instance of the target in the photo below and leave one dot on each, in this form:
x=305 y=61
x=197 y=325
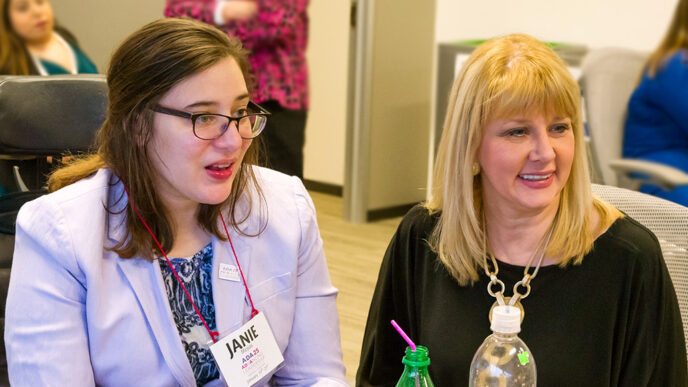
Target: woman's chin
x=214 y=198
x=214 y=202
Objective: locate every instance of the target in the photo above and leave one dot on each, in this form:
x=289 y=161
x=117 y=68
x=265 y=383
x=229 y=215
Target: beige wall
x=403 y=36
x=637 y=24
x=101 y=25
x=328 y=59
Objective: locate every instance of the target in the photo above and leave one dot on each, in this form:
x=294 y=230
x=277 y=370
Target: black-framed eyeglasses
x=209 y=126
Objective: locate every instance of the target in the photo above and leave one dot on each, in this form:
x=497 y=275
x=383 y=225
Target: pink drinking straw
x=404 y=335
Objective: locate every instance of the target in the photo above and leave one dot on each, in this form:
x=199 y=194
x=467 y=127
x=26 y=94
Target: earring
x=476 y=169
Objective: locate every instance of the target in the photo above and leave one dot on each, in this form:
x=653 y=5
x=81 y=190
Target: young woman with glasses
x=169 y=238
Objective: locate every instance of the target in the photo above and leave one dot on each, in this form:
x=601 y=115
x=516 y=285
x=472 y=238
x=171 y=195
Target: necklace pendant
x=506 y=302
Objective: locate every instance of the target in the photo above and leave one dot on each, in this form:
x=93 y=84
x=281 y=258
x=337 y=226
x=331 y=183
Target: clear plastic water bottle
x=503 y=359
x=415 y=368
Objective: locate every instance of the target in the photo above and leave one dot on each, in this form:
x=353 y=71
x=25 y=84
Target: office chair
x=39 y=117
x=669 y=222
x=609 y=76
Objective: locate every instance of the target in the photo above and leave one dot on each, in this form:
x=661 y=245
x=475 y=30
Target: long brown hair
x=675 y=39
x=14 y=58
x=143 y=69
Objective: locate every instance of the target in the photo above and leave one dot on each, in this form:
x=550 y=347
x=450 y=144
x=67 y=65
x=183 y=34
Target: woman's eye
x=516 y=132
x=205 y=119
x=240 y=112
x=560 y=128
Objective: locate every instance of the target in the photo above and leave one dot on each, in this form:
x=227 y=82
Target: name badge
x=229 y=272
x=248 y=354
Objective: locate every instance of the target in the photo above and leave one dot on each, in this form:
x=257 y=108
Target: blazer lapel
x=231 y=308
x=145 y=280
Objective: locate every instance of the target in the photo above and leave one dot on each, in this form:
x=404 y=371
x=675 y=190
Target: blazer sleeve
x=45 y=331
x=313 y=356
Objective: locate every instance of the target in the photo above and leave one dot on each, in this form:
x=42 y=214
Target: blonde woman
x=511 y=196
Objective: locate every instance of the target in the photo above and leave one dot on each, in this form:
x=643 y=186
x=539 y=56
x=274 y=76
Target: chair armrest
x=661 y=174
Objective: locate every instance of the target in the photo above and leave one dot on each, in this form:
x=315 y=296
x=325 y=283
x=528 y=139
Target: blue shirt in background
x=657 y=122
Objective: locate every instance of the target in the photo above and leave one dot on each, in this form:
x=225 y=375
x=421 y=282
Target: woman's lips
x=220 y=171
x=536 y=180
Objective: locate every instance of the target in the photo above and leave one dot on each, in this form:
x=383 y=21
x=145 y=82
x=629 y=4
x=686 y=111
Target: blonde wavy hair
x=502 y=78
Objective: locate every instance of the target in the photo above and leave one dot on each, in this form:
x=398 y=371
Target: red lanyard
x=212 y=334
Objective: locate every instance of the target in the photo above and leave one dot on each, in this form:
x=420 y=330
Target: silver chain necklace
x=514 y=300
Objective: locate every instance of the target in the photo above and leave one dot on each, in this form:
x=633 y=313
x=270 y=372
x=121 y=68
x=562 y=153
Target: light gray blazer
x=78 y=315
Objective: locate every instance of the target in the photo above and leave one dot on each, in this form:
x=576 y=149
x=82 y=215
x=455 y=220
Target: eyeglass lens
x=208 y=126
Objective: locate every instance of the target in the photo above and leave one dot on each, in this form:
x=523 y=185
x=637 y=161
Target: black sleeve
x=383 y=348
x=656 y=351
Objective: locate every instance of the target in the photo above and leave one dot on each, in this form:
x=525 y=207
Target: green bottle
x=415 y=368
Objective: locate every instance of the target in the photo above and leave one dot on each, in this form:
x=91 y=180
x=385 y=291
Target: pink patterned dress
x=276 y=37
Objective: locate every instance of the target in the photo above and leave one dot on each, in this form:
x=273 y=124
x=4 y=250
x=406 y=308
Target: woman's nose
x=230 y=139
x=542 y=150
x=35 y=10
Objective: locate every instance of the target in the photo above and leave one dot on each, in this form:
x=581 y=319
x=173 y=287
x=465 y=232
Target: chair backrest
x=47 y=116
x=669 y=222
x=608 y=78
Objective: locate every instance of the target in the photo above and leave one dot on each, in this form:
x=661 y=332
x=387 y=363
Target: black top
x=611 y=321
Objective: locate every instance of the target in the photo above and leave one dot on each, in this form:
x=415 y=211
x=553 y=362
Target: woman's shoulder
x=276 y=185
x=419 y=222
x=680 y=58
x=627 y=230
x=78 y=197
x=270 y=176
x=99 y=182
x=672 y=69
x=284 y=197
x=629 y=240
x=67 y=220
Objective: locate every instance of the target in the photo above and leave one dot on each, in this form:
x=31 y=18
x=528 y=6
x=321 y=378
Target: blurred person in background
x=657 y=121
x=276 y=34
x=32 y=44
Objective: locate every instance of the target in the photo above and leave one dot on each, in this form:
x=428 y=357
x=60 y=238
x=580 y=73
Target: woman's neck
x=189 y=236
x=514 y=237
x=37 y=47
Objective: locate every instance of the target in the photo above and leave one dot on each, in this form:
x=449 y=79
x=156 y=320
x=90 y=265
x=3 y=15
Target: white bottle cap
x=506 y=319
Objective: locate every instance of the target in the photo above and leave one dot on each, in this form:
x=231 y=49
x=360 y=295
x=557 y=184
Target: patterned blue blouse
x=196 y=274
